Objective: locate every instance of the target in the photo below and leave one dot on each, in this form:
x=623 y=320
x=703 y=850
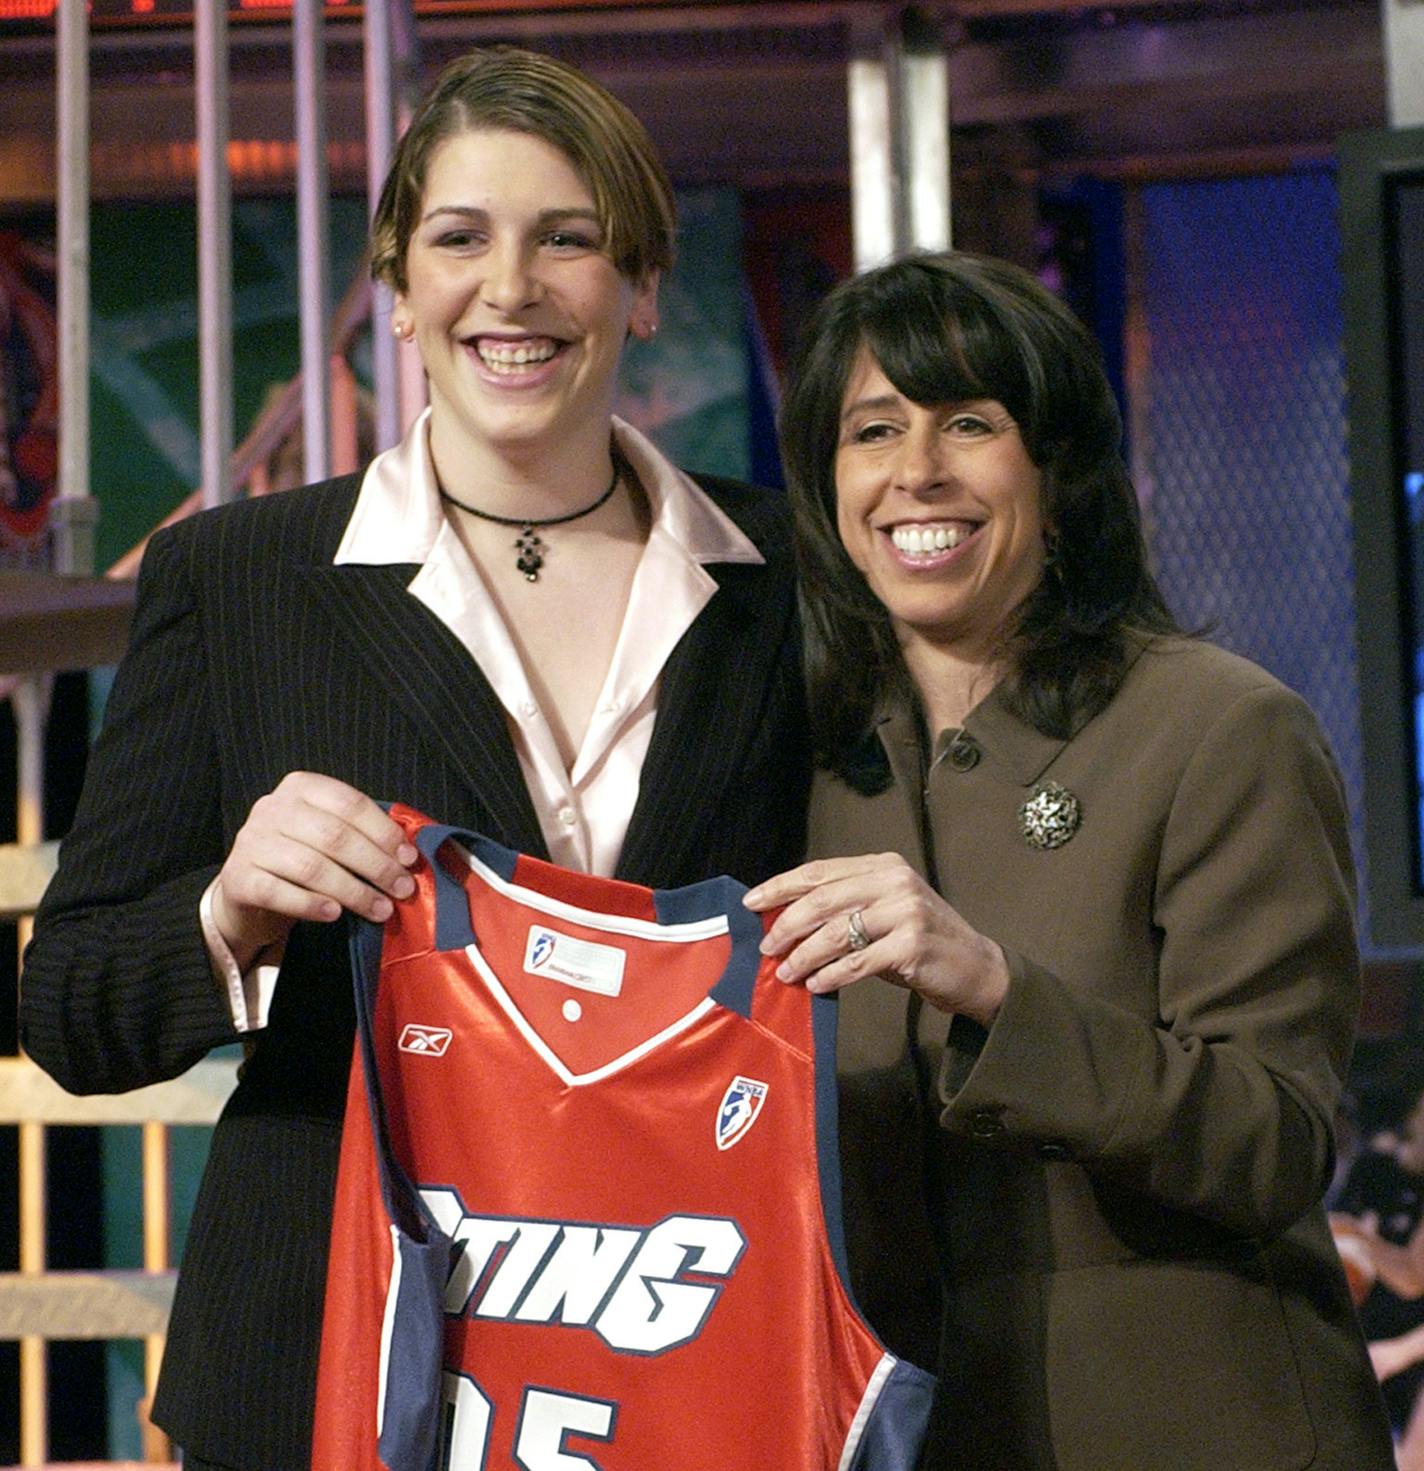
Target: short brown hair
x=505 y=87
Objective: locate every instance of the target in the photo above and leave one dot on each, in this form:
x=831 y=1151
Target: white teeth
x=506 y=357
x=922 y=541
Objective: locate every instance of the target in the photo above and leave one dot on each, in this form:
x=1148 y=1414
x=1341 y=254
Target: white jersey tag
x=578 y=963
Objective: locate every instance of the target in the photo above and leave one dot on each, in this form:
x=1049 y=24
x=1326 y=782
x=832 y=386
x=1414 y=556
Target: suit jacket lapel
x=709 y=706
x=436 y=682
x=710 y=701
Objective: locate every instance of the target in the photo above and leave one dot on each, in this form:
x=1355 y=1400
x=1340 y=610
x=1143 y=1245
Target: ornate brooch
x=1050 y=816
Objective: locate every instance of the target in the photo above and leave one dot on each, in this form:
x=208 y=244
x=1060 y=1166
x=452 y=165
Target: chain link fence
x=1240 y=444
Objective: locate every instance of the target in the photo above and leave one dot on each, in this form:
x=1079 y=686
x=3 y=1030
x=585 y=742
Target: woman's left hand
x=848 y=918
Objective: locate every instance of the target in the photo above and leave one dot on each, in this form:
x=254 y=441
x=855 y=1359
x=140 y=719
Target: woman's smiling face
x=939 y=506
x=519 y=314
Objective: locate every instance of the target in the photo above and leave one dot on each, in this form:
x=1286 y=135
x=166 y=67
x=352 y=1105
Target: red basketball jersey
x=587 y=1208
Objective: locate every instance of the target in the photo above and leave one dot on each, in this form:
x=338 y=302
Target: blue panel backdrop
x=1243 y=469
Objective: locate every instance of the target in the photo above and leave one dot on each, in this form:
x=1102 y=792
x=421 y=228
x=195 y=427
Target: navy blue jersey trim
x=402 y=1201
x=408 y=1430
x=898 y=1420
x=453 y=930
x=415 y=1360
x=495 y=857
x=738 y=983
x=825 y=1017
x=710 y=899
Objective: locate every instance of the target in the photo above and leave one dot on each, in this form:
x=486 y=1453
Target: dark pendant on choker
x=531 y=553
x=528 y=543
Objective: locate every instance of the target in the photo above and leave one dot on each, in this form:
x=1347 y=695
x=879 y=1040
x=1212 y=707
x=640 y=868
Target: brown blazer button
x=984 y=1123
x=963 y=753
x=1054 y=1149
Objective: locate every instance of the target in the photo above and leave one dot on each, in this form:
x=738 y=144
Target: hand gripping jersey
x=587 y=1211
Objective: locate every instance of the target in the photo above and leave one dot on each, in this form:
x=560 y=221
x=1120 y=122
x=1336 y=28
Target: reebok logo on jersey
x=738 y=1111
x=641 y=1289
x=578 y=963
x=427 y=1041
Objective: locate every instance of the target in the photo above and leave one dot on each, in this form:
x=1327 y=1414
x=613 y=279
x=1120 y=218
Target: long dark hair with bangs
x=945 y=328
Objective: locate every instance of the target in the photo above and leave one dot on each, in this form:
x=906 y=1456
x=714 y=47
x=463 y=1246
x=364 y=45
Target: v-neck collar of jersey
x=697 y=912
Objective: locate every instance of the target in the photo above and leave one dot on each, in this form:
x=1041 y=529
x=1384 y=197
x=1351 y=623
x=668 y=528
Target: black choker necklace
x=527 y=543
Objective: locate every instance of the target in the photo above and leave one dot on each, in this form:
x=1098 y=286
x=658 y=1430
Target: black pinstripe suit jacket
x=252 y=656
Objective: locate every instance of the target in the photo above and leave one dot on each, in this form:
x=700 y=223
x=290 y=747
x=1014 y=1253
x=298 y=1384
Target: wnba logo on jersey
x=574 y=962
x=738 y=1111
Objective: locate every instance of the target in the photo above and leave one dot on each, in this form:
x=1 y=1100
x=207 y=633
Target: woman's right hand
x=910 y=935
x=309 y=849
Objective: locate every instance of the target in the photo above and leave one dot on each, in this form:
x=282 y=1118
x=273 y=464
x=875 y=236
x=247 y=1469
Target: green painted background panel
x=145 y=455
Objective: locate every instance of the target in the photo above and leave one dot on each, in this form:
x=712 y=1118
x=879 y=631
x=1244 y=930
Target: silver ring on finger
x=856 y=936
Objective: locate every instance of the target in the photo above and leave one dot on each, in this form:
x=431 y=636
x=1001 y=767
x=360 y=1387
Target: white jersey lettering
x=652 y=1309
x=517 y=1270
x=578 y=1276
x=628 y=1284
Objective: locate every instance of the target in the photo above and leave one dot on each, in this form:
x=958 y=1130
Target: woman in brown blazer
x=1104 y=869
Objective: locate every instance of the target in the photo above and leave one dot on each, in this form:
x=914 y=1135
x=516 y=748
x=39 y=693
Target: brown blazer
x=1124 y=1171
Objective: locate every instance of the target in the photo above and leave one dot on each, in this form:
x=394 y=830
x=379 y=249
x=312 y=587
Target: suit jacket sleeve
x=1221 y=1103
x=117 y=986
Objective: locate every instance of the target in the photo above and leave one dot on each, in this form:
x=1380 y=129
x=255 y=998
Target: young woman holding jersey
x=523 y=620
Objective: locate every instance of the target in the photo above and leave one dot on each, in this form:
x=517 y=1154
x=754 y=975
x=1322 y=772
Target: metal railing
x=72 y=620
